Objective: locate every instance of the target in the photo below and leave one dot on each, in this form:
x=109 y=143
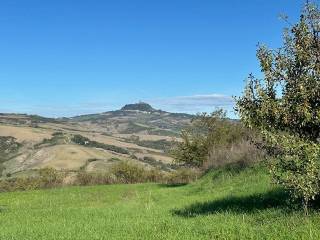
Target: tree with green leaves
x=285 y=106
x=207 y=131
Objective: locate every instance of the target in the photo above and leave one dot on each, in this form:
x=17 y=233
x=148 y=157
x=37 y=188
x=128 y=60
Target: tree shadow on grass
x=245 y=204
x=173 y=185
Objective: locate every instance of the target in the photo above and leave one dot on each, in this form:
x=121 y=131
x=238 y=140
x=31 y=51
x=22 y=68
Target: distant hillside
x=139 y=118
x=94 y=142
x=24 y=119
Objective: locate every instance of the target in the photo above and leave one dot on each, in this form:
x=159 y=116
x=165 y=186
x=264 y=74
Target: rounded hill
x=141 y=106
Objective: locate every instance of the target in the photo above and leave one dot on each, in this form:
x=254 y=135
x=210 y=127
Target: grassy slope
x=221 y=205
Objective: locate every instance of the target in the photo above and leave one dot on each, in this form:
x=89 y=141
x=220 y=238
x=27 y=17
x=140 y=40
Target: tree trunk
x=305 y=203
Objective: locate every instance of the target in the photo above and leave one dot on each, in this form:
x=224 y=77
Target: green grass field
x=221 y=205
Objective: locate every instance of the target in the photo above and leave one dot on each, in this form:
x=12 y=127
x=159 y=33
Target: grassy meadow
x=224 y=204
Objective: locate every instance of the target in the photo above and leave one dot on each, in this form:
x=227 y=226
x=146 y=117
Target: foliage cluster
x=285 y=105
x=48 y=178
x=211 y=136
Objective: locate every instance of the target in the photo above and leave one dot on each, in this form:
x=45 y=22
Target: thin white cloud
x=195 y=103
x=188 y=104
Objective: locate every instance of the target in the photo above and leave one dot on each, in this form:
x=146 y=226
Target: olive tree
x=285 y=105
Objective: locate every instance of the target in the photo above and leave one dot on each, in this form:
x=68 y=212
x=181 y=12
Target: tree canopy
x=285 y=105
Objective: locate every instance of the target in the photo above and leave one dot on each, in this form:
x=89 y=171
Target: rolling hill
x=136 y=132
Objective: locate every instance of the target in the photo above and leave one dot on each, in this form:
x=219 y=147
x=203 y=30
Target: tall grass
x=120 y=173
x=242 y=153
x=128 y=173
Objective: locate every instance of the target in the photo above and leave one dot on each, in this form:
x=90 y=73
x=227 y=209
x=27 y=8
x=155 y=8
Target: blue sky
x=64 y=58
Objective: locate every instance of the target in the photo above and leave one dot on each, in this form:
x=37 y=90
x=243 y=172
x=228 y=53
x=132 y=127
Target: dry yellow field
x=67 y=157
x=116 y=139
x=25 y=133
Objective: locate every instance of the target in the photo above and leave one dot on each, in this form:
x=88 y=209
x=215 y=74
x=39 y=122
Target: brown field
x=25 y=133
x=67 y=157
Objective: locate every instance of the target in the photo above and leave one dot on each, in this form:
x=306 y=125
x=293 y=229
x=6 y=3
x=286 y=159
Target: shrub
x=193 y=150
x=50 y=177
x=156 y=175
x=19 y=184
x=85 y=178
x=207 y=136
x=183 y=176
x=129 y=173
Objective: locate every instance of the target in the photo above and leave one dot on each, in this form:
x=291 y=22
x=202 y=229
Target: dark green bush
x=81 y=140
